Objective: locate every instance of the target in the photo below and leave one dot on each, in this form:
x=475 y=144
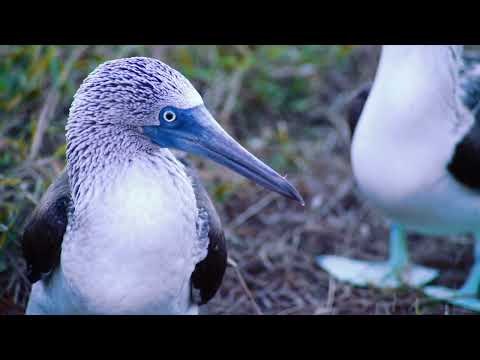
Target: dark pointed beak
x=199 y=133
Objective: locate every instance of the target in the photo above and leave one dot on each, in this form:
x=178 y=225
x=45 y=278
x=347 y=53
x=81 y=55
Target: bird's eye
x=169 y=116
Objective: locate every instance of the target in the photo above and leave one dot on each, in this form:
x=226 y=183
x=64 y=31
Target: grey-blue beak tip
x=291 y=192
x=295 y=195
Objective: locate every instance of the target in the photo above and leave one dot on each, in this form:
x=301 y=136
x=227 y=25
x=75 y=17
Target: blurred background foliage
x=277 y=100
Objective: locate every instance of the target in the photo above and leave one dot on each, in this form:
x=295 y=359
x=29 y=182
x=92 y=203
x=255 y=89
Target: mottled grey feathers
x=470 y=83
x=110 y=108
x=132 y=87
x=465 y=162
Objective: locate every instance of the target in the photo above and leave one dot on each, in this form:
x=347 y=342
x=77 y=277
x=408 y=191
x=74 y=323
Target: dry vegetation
x=287 y=105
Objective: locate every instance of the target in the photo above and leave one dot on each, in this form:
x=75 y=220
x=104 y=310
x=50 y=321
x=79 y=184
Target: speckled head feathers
x=131 y=91
x=110 y=108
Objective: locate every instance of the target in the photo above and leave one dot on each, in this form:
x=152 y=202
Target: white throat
x=137 y=246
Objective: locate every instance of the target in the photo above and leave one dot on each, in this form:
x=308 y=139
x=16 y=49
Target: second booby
x=128 y=228
x=416 y=157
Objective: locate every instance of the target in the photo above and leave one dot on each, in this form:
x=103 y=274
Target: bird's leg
x=468 y=296
x=399 y=258
x=394 y=273
x=471 y=287
x=399 y=270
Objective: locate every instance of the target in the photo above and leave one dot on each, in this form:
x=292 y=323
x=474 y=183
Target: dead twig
x=51 y=102
x=252 y=211
x=332 y=286
x=235 y=86
x=233 y=264
x=342 y=190
x=44 y=118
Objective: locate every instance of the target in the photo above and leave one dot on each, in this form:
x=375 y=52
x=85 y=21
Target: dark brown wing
x=465 y=162
x=208 y=274
x=43 y=235
x=355 y=107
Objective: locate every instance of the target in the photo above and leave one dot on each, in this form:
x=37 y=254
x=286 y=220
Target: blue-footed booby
x=127 y=228
x=416 y=157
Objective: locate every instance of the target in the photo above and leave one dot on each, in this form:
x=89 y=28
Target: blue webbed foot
x=395 y=273
x=381 y=275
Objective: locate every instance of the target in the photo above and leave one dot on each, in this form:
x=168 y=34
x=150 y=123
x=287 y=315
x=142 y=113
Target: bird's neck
x=97 y=155
x=434 y=64
x=401 y=51
x=415 y=79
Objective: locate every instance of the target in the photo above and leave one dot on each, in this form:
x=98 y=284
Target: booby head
x=147 y=96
